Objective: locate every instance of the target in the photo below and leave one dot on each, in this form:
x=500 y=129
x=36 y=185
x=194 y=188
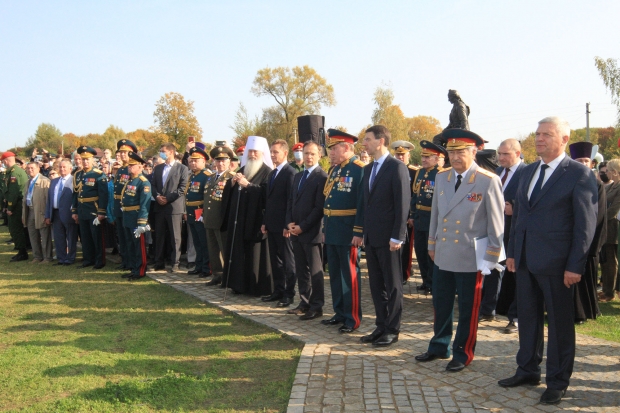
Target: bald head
x=509 y=153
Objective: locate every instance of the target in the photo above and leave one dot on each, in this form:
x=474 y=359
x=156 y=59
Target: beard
x=251 y=167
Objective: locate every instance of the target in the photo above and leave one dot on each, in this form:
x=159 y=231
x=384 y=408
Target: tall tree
x=389 y=114
x=298 y=91
x=610 y=73
x=109 y=138
x=47 y=136
x=175 y=118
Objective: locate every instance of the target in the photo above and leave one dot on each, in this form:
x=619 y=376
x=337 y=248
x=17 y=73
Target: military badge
x=89 y=181
x=474 y=197
x=13 y=179
x=130 y=190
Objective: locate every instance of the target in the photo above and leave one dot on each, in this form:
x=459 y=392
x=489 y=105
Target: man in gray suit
x=169 y=186
x=58 y=214
x=553 y=224
x=468 y=204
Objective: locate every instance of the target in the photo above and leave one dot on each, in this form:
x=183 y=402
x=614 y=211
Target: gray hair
x=65 y=160
x=348 y=145
x=561 y=125
x=511 y=144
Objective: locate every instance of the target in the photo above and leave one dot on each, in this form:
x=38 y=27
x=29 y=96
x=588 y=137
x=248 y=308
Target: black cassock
x=250 y=272
x=585 y=298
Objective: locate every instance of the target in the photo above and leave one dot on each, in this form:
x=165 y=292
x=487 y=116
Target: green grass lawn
x=74 y=340
x=606 y=326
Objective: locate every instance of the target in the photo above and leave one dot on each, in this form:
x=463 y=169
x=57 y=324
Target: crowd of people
x=516 y=240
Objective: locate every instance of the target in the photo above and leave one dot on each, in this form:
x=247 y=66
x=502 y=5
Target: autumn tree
x=244 y=126
x=175 y=118
x=109 y=138
x=610 y=73
x=47 y=136
x=298 y=91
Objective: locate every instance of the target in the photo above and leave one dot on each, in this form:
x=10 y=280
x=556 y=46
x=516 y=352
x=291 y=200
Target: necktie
x=373 y=175
x=505 y=176
x=273 y=178
x=458 y=182
x=303 y=180
x=539 y=183
x=61 y=186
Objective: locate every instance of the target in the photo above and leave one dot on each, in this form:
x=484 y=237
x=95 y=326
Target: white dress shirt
x=66 y=183
x=512 y=170
x=166 y=171
x=552 y=165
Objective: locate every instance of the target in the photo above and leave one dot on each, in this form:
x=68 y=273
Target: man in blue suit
x=58 y=214
x=553 y=224
x=386 y=197
x=509 y=154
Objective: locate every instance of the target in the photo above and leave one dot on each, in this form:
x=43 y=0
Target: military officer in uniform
x=3 y=215
x=123 y=147
x=420 y=212
x=194 y=208
x=298 y=157
x=90 y=200
x=343 y=197
x=15 y=181
x=401 y=152
x=468 y=203
x=135 y=203
x=215 y=202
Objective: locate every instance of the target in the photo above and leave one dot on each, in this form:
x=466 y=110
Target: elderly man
x=58 y=214
x=33 y=214
x=420 y=210
x=553 y=224
x=467 y=205
x=15 y=181
x=121 y=177
x=245 y=270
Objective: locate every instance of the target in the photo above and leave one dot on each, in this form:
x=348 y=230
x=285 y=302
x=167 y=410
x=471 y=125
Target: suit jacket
x=557 y=229
x=64 y=203
x=173 y=190
x=613 y=207
x=476 y=210
x=277 y=198
x=305 y=206
x=510 y=193
x=386 y=206
x=39 y=201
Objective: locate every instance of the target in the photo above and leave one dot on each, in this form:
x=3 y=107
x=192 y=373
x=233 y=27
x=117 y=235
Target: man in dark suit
x=509 y=154
x=169 y=186
x=58 y=214
x=385 y=209
x=554 y=221
x=279 y=187
x=304 y=214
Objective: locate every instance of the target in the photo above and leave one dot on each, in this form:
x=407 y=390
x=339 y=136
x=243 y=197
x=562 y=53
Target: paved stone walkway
x=337 y=373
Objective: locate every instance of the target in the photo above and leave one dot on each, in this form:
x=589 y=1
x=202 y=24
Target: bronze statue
x=459 y=113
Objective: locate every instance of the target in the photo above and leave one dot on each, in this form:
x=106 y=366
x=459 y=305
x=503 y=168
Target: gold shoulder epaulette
x=415 y=168
x=359 y=163
x=98 y=171
x=207 y=172
x=143 y=178
x=486 y=173
x=444 y=170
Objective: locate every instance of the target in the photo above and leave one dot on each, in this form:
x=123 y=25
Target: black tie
x=303 y=180
x=505 y=176
x=458 y=182
x=539 y=183
x=373 y=174
x=273 y=178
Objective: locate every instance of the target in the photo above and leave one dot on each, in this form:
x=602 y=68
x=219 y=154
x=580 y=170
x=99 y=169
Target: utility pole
x=295 y=135
x=587 y=122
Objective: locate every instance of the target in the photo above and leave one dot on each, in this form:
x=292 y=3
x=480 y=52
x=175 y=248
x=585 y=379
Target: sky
x=85 y=65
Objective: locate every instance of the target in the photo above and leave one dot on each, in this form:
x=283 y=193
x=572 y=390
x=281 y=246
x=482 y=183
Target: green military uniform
x=15 y=181
x=215 y=202
x=90 y=198
x=194 y=207
x=135 y=203
x=343 y=198
x=2 y=204
x=120 y=179
x=296 y=166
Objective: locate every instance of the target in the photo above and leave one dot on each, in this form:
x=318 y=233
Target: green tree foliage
x=109 y=138
x=175 y=118
x=298 y=91
x=244 y=126
x=47 y=137
x=610 y=73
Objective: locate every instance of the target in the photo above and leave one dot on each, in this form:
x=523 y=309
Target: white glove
x=96 y=221
x=139 y=231
x=199 y=219
x=488 y=266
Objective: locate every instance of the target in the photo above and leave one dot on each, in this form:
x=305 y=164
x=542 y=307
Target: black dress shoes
x=345 y=329
x=85 y=265
x=331 y=322
x=285 y=302
x=515 y=381
x=194 y=272
x=59 y=263
x=385 y=340
x=375 y=335
x=128 y=275
x=455 y=366
x=428 y=357
x=204 y=275
x=271 y=298
x=121 y=268
x=98 y=267
x=214 y=281
x=486 y=317
x=551 y=396
x=311 y=315
x=158 y=268
x=298 y=310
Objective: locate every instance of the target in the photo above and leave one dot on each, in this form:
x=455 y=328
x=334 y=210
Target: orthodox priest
x=246 y=268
